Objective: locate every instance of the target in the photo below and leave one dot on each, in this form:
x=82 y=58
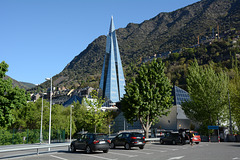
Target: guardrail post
x=37 y=151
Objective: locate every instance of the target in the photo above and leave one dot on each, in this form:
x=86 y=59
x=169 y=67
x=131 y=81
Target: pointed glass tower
x=112 y=80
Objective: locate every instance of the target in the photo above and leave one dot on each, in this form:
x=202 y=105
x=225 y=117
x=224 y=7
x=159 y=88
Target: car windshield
x=195 y=133
x=101 y=136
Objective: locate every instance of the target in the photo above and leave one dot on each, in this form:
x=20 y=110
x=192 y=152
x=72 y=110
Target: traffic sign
x=213 y=127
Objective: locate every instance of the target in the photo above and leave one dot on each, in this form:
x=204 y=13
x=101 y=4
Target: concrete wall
x=168 y=122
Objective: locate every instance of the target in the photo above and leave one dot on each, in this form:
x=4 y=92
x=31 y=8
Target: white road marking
x=236 y=158
x=123 y=154
x=58 y=157
x=180 y=157
x=155 y=150
x=140 y=152
x=168 y=149
x=98 y=157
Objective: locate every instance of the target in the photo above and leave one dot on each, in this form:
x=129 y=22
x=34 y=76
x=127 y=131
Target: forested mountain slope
x=162 y=33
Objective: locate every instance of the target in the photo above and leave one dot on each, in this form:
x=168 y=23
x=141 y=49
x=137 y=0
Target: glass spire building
x=112 y=80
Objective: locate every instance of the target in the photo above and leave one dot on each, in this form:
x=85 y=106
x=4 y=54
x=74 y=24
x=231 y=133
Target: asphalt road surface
x=152 y=151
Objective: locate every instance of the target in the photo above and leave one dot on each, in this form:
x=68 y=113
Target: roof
x=180 y=95
x=74 y=98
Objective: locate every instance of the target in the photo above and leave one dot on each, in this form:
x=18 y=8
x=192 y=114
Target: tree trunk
x=146 y=126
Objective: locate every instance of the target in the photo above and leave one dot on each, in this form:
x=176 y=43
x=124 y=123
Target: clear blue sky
x=38 y=38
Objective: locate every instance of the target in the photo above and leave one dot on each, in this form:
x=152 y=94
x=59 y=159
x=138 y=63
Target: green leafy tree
x=148 y=96
x=208 y=94
x=234 y=92
x=79 y=113
x=97 y=120
x=10 y=98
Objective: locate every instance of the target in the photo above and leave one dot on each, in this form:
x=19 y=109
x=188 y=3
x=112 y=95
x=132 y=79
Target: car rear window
x=137 y=134
x=101 y=136
x=195 y=133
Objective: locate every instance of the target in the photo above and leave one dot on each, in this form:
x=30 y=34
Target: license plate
x=101 y=142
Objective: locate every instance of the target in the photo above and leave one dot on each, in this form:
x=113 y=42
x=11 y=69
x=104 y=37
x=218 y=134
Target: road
x=152 y=151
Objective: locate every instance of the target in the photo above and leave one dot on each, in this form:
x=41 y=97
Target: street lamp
x=71 y=122
x=49 y=136
x=41 y=120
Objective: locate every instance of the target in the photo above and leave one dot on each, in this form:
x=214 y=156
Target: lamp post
x=41 y=120
x=71 y=122
x=230 y=118
x=49 y=136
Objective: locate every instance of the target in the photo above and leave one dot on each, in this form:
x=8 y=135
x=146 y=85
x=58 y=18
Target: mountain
x=164 y=32
x=24 y=85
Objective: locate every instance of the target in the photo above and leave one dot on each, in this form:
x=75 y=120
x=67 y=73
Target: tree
x=208 y=93
x=148 y=96
x=79 y=112
x=10 y=98
x=234 y=92
x=96 y=119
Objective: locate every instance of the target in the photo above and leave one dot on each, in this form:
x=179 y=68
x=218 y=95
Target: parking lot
x=152 y=151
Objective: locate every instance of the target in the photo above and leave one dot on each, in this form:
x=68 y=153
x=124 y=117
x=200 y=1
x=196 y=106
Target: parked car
x=128 y=140
x=196 y=137
x=91 y=142
x=171 y=137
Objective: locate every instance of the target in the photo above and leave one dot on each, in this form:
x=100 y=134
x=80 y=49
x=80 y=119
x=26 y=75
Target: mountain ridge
x=165 y=32
x=23 y=85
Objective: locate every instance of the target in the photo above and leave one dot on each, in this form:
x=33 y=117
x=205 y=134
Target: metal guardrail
x=37 y=147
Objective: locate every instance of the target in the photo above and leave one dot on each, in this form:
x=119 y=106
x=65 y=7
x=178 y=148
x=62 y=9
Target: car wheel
x=127 y=146
x=105 y=151
x=197 y=142
x=112 y=145
x=88 y=150
x=173 y=142
x=141 y=147
x=161 y=141
x=73 y=149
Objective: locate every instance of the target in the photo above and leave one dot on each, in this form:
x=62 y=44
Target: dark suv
x=91 y=142
x=170 y=137
x=128 y=140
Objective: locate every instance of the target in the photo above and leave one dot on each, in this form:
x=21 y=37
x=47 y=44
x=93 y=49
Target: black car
x=171 y=137
x=128 y=140
x=91 y=142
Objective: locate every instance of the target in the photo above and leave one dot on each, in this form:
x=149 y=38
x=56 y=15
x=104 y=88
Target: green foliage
x=234 y=92
x=28 y=136
x=174 y=56
x=79 y=113
x=208 y=93
x=10 y=98
x=148 y=96
x=96 y=119
x=29 y=117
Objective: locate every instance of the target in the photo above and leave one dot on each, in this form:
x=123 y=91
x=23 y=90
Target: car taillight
x=109 y=141
x=133 y=137
x=95 y=141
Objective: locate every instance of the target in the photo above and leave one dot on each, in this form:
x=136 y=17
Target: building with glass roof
x=112 y=80
x=175 y=120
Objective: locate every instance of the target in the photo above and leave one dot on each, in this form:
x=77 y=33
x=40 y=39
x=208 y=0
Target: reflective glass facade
x=112 y=80
x=180 y=95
